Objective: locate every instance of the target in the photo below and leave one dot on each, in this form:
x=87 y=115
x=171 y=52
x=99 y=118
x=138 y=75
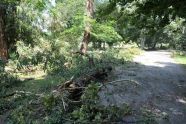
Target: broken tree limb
x=76 y=86
x=130 y=80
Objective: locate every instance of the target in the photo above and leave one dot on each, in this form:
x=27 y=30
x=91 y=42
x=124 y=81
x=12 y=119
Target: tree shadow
x=161 y=88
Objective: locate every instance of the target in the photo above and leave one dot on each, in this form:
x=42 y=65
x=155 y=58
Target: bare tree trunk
x=3 y=43
x=89 y=15
x=84 y=44
x=154 y=42
x=143 y=42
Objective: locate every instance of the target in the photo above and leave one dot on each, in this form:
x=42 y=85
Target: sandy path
x=161 y=87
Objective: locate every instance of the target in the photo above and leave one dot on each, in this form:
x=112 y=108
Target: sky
x=53 y=2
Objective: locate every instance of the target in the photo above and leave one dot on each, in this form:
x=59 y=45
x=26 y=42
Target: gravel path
x=160 y=87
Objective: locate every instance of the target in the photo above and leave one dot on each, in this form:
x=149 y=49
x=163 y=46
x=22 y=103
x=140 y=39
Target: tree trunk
x=143 y=42
x=3 y=43
x=89 y=15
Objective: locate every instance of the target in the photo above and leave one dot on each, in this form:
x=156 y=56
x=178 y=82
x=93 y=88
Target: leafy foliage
x=105 y=33
x=45 y=35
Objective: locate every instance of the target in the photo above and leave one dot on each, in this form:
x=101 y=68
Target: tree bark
x=3 y=43
x=143 y=42
x=89 y=15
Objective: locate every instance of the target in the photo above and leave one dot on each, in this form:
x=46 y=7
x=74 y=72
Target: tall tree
x=89 y=16
x=3 y=43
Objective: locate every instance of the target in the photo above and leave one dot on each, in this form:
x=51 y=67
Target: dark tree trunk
x=84 y=44
x=104 y=45
x=89 y=15
x=3 y=43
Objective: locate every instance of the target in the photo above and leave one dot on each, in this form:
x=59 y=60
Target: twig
x=74 y=88
x=64 y=104
x=72 y=101
x=66 y=83
x=124 y=80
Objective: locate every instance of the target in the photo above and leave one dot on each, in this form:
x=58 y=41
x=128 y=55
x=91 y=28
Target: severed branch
x=130 y=80
x=66 y=84
x=75 y=87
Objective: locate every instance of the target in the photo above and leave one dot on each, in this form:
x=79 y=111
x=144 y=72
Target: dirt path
x=160 y=87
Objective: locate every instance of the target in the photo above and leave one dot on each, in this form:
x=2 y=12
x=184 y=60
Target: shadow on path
x=161 y=89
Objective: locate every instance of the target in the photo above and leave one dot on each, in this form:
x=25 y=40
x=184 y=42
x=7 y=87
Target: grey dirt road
x=159 y=85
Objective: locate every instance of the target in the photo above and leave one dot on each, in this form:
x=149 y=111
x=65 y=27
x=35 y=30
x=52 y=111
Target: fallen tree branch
x=130 y=80
x=64 y=104
x=76 y=86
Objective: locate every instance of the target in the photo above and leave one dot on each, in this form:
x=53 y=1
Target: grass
x=38 y=81
x=180 y=57
x=43 y=84
x=22 y=108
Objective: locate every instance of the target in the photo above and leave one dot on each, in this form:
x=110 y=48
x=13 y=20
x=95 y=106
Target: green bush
x=7 y=80
x=2 y=65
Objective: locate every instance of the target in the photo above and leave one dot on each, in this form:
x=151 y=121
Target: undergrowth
x=180 y=57
x=49 y=109
x=36 y=100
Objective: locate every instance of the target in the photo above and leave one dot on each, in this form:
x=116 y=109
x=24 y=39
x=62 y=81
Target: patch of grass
x=42 y=84
x=180 y=57
x=129 y=53
x=39 y=74
x=36 y=82
x=148 y=116
x=31 y=83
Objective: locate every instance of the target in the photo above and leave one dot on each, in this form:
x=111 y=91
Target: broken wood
x=76 y=86
x=129 y=80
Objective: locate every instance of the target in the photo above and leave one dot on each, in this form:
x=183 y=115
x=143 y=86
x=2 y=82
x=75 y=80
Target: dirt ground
x=158 y=85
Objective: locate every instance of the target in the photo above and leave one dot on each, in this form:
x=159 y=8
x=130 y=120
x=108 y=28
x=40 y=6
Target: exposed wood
x=76 y=86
